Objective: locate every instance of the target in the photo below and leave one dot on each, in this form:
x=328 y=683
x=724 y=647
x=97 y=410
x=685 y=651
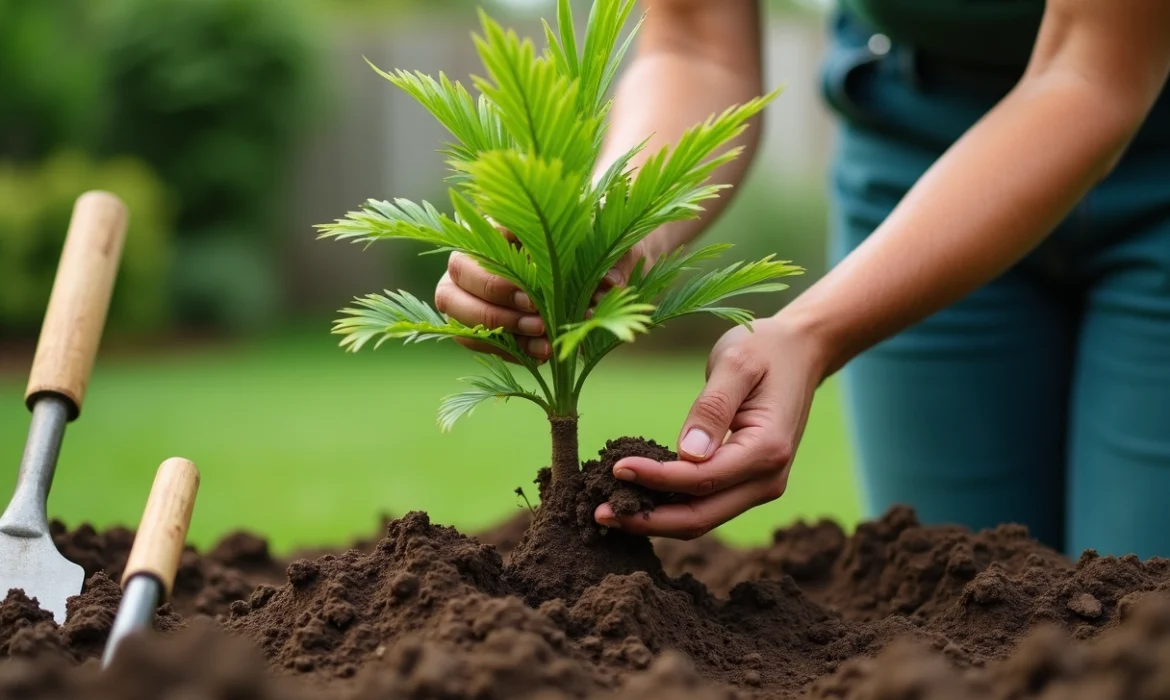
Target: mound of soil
x=550 y=606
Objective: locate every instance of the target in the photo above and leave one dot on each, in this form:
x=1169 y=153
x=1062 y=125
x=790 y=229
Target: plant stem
x=565 y=457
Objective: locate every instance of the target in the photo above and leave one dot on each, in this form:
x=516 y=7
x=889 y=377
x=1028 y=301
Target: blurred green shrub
x=51 y=76
x=36 y=202
x=213 y=94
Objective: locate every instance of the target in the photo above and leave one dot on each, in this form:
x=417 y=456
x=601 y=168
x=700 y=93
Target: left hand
x=760 y=385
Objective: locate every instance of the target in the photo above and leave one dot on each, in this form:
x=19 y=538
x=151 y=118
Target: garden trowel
x=154 y=557
x=61 y=367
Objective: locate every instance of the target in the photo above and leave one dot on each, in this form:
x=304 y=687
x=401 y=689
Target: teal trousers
x=1043 y=398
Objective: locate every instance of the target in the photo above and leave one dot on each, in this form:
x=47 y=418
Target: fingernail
x=624 y=474
x=696 y=443
x=538 y=347
x=531 y=325
x=613 y=277
x=604 y=515
x=521 y=301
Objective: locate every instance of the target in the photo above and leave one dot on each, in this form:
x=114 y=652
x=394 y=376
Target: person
x=999 y=295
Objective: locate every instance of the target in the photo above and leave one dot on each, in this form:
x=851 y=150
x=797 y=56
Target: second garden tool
x=64 y=358
x=154 y=557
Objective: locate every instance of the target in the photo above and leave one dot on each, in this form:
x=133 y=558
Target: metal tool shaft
x=136 y=612
x=26 y=515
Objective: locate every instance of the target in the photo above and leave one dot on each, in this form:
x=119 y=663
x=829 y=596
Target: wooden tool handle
x=79 y=301
x=163 y=530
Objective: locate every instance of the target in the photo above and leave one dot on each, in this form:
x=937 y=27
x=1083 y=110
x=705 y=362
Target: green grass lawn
x=307 y=444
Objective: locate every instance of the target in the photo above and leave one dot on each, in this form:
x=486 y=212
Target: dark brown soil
x=551 y=607
x=566 y=552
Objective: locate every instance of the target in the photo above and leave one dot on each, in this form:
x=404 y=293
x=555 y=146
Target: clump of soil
x=550 y=606
x=565 y=551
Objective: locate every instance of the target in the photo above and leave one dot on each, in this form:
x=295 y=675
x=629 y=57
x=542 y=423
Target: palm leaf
x=667 y=268
x=499 y=385
x=378 y=220
x=475 y=124
x=599 y=60
x=619 y=312
x=670 y=185
x=536 y=103
x=471 y=234
x=540 y=203
x=702 y=293
x=400 y=315
x=563 y=49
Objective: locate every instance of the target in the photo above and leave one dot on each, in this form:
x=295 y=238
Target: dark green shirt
x=996 y=32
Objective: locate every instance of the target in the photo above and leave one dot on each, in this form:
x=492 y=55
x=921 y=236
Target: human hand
x=473 y=296
x=759 y=387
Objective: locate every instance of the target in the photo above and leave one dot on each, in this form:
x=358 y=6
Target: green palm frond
x=536 y=103
x=474 y=123
x=540 y=203
x=667 y=269
x=378 y=220
x=500 y=385
x=602 y=59
x=703 y=292
x=562 y=44
x=620 y=312
x=400 y=315
x=669 y=186
x=471 y=234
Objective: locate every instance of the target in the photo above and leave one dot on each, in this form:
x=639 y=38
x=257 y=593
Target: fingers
x=491 y=301
x=750 y=454
x=470 y=277
x=687 y=521
x=734 y=374
x=619 y=275
x=471 y=310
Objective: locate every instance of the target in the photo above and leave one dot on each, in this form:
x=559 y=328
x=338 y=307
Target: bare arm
x=1096 y=71
x=692 y=59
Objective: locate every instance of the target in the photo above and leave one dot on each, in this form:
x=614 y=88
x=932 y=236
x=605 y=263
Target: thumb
x=619 y=275
x=709 y=421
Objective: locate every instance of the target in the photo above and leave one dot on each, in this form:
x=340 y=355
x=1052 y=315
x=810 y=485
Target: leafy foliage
x=501 y=385
x=523 y=159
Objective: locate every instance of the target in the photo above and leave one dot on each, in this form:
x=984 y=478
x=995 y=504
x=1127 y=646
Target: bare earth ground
x=896 y=611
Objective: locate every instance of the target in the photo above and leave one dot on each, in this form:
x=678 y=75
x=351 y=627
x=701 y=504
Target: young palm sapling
x=523 y=159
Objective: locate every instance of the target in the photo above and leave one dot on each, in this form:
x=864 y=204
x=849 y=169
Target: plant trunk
x=565 y=457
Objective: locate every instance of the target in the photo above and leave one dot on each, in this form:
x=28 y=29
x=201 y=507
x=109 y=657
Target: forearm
x=694 y=59
x=994 y=196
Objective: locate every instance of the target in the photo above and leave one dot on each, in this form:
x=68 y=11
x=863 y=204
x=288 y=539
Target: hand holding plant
x=473 y=296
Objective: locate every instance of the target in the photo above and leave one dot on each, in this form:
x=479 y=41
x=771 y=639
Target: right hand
x=473 y=296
